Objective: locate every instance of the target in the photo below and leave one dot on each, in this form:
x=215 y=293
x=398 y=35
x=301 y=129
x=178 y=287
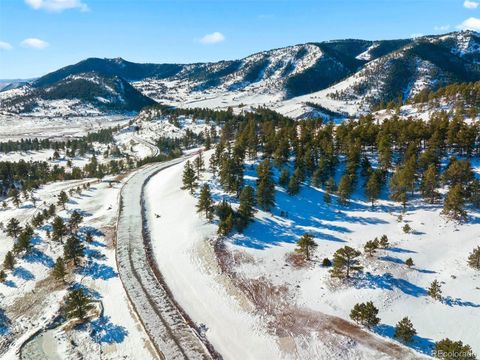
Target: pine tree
x=13 y=228
x=199 y=165
x=383 y=243
x=189 y=178
x=205 y=202
x=23 y=243
x=59 y=230
x=15 y=195
x=265 y=186
x=246 y=209
x=284 y=178
x=345 y=261
x=399 y=187
x=365 y=314
x=474 y=258
x=453 y=350
x=409 y=262
x=453 y=206
x=62 y=199
x=77 y=304
x=9 y=261
x=3 y=276
x=373 y=187
x=327 y=198
x=429 y=184
x=75 y=220
x=345 y=188
x=59 y=270
x=306 y=245
x=370 y=247
x=226 y=225
x=294 y=183
x=73 y=249
x=406 y=229
x=404 y=330
x=435 y=290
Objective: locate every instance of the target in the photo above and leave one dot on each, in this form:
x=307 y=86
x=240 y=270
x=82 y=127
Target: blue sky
x=38 y=36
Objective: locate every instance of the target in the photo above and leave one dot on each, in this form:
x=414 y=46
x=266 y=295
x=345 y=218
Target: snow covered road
x=166 y=324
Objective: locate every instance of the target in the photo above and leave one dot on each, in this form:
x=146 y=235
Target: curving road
x=171 y=331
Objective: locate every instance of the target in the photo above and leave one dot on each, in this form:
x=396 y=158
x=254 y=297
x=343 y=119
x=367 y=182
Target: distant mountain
x=9 y=84
x=76 y=94
x=342 y=76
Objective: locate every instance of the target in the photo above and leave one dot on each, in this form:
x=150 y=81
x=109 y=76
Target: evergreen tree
x=399 y=187
x=62 y=199
x=59 y=230
x=409 y=262
x=77 y=304
x=345 y=188
x=453 y=350
x=226 y=225
x=59 y=272
x=284 y=178
x=429 y=184
x=383 y=243
x=453 y=206
x=306 y=245
x=3 y=276
x=370 y=247
x=189 y=178
x=199 y=165
x=23 y=243
x=365 y=314
x=435 y=290
x=13 y=228
x=373 y=187
x=75 y=220
x=404 y=330
x=73 y=249
x=9 y=261
x=406 y=229
x=265 y=186
x=294 y=183
x=246 y=209
x=205 y=202
x=15 y=195
x=345 y=261
x=474 y=258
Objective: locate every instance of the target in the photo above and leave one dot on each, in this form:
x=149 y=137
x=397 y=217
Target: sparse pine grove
x=416 y=162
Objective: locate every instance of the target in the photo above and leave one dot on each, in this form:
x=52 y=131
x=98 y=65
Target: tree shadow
x=36 y=256
x=23 y=273
x=96 y=271
x=92 y=293
x=91 y=230
x=448 y=300
x=5 y=323
x=103 y=331
x=418 y=343
x=388 y=282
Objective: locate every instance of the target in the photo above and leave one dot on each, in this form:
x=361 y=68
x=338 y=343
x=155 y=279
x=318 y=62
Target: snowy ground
x=438 y=247
x=116 y=333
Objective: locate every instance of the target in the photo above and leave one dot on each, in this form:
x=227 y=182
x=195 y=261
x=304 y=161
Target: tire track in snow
x=169 y=328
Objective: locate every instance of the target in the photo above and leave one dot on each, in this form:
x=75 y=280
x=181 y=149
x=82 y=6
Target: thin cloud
x=442 y=28
x=469 y=4
x=34 y=43
x=5 y=45
x=471 y=23
x=57 y=5
x=213 y=38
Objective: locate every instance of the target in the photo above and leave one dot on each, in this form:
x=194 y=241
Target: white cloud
x=213 y=38
x=34 y=43
x=469 y=4
x=5 y=45
x=470 y=24
x=441 y=27
x=57 y=5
